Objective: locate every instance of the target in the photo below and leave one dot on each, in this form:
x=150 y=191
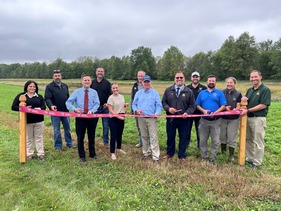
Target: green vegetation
x=236 y=57
x=61 y=182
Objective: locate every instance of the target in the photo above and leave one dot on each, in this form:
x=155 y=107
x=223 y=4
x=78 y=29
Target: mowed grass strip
x=61 y=182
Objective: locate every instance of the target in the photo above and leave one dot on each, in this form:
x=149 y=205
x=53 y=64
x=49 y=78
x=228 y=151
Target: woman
x=116 y=105
x=230 y=124
x=35 y=123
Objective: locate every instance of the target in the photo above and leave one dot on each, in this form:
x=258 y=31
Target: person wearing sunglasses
x=178 y=99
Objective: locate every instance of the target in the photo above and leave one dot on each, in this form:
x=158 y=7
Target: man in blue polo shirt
x=210 y=101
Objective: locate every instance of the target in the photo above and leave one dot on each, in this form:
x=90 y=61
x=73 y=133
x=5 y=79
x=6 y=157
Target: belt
x=253 y=115
x=212 y=119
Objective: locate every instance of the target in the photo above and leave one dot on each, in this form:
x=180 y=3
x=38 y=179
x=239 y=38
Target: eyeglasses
x=56 y=71
x=195 y=76
x=179 y=77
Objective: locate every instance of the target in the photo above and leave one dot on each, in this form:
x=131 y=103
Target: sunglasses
x=56 y=71
x=179 y=77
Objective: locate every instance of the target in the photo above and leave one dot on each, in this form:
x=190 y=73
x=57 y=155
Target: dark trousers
x=81 y=125
x=116 y=130
x=196 y=121
x=183 y=129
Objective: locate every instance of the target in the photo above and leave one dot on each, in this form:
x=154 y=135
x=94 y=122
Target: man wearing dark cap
x=196 y=88
x=147 y=103
x=56 y=94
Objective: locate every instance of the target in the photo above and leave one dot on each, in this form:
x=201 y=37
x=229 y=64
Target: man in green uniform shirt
x=259 y=98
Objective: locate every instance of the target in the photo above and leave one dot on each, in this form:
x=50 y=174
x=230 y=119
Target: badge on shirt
x=258 y=93
x=214 y=94
x=234 y=99
x=183 y=95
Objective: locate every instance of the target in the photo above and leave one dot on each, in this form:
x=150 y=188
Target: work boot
x=223 y=148
x=231 y=154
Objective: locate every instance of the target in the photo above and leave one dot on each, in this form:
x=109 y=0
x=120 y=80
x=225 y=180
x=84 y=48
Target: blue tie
x=178 y=91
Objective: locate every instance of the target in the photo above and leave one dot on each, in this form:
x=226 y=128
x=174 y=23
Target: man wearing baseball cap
x=196 y=88
x=147 y=103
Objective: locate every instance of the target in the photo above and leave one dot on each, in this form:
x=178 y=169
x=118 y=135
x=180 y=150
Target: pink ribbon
x=72 y=114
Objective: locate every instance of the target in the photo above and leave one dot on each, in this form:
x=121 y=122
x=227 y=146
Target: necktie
x=178 y=91
x=86 y=101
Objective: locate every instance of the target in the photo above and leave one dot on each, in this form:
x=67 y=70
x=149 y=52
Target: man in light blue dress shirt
x=76 y=103
x=147 y=103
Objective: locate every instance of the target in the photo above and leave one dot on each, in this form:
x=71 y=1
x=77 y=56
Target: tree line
x=236 y=57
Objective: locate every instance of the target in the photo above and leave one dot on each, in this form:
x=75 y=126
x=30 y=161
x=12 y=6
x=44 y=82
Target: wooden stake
x=22 y=128
x=242 y=137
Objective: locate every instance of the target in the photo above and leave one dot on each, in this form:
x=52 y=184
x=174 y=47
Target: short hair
x=212 y=76
x=141 y=71
x=256 y=71
x=85 y=75
x=231 y=78
x=28 y=83
x=114 y=83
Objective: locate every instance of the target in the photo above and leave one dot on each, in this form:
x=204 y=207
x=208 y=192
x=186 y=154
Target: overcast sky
x=44 y=30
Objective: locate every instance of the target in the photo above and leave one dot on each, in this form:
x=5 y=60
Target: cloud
x=49 y=29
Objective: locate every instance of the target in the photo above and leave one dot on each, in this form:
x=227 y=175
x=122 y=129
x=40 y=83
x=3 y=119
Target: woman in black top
x=35 y=123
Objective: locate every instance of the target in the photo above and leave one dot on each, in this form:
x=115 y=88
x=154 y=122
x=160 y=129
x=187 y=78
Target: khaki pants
x=229 y=131
x=255 y=139
x=34 y=135
x=149 y=137
x=212 y=129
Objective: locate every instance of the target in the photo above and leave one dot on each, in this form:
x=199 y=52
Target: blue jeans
x=183 y=129
x=57 y=134
x=105 y=124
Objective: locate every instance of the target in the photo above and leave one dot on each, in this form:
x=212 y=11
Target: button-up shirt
x=76 y=100
x=148 y=102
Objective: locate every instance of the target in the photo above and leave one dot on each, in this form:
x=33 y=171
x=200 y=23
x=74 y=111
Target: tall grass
x=61 y=182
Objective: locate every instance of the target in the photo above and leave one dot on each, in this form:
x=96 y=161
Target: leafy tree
x=172 y=62
x=142 y=58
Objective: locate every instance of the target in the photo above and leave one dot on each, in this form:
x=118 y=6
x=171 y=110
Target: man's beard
x=57 y=80
x=100 y=76
x=211 y=85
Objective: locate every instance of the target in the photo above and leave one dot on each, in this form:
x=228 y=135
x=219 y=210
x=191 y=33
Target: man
x=136 y=87
x=103 y=88
x=178 y=100
x=259 y=98
x=210 y=101
x=56 y=94
x=196 y=88
x=147 y=103
x=230 y=124
x=85 y=101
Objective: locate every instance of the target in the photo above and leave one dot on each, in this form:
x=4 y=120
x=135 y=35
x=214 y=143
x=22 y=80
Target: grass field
x=61 y=182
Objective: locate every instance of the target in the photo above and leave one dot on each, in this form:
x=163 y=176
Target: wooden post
x=242 y=137
x=22 y=128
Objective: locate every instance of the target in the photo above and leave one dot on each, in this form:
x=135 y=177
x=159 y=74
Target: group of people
x=99 y=96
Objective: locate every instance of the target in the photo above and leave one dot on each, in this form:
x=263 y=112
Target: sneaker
x=231 y=159
x=41 y=157
x=182 y=160
x=58 y=149
x=138 y=145
x=121 y=151
x=29 y=157
x=145 y=157
x=167 y=157
x=113 y=156
x=156 y=162
x=212 y=161
x=106 y=146
x=83 y=160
